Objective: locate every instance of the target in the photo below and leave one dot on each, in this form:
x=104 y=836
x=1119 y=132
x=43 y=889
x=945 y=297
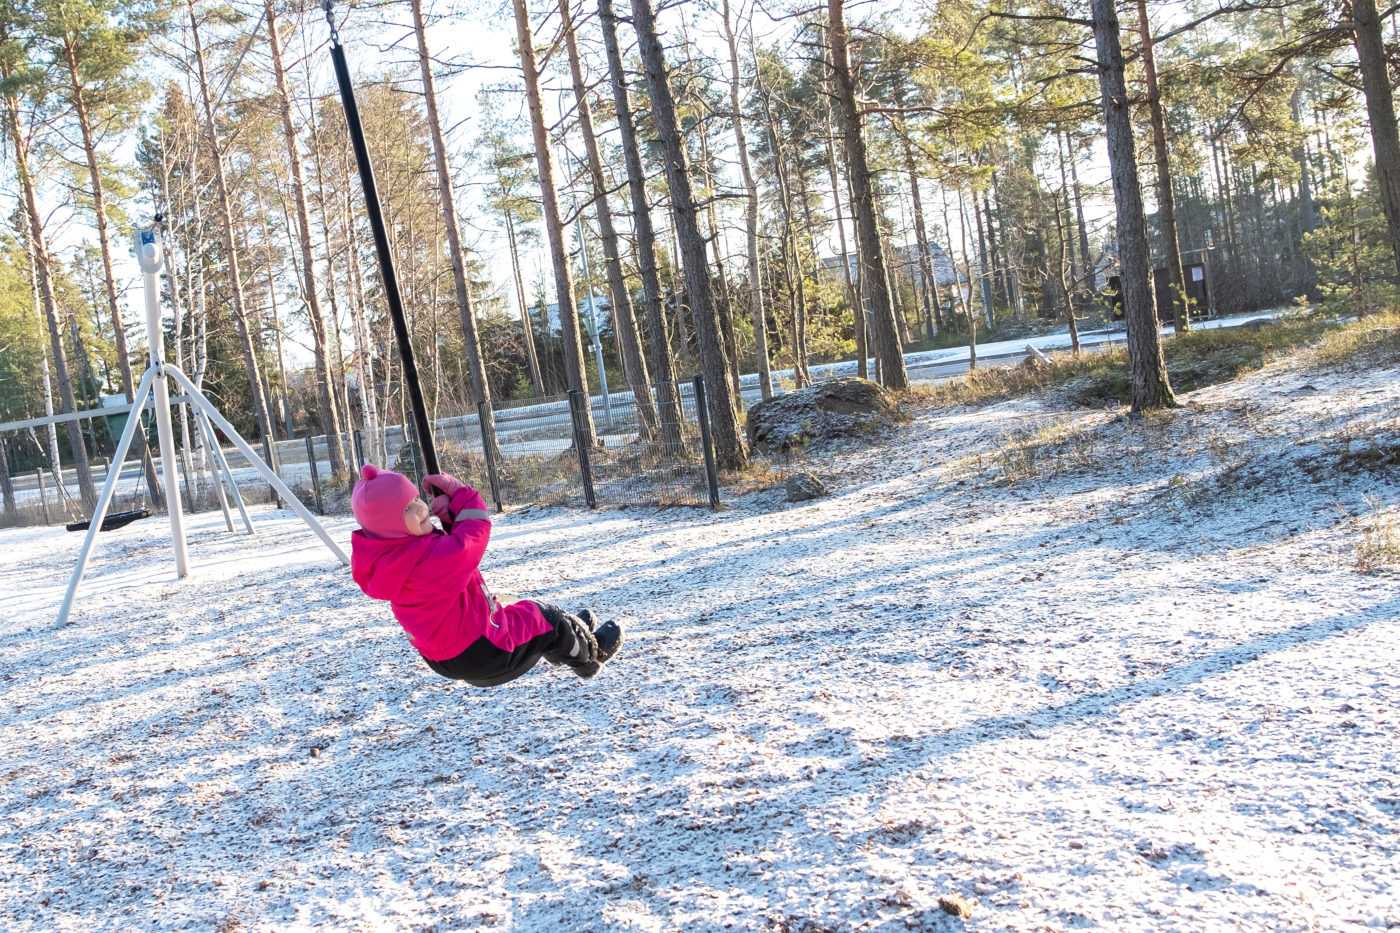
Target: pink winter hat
x=379 y=500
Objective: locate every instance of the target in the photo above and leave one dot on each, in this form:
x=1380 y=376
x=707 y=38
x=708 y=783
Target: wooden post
x=43 y=498
x=7 y=488
x=489 y=451
x=578 y=410
x=703 y=416
x=315 y=477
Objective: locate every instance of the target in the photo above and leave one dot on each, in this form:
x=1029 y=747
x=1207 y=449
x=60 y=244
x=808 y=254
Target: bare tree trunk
x=240 y=315
x=967 y=273
x=1001 y=275
x=730 y=452
x=1147 y=371
x=792 y=271
x=177 y=309
x=852 y=295
x=1090 y=272
x=1065 y=238
x=481 y=385
x=536 y=376
x=901 y=322
x=574 y=368
x=1307 y=213
x=104 y=241
x=625 y=323
x=1166 y=200
x=678 y=293
x=760 y=326
x=888 y=351
x=658 y=340
x=276 y=326
x=1380 y=108
x=921 y=238
x=41 y=321
x=1074 y=283
x=371 y=399
x=861 y=311
x=330 y=416
x=984 y=270
x=726 y=297
x=43 y=272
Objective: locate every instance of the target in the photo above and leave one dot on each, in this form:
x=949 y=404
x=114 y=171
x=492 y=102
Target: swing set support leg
x=216 y=478
x=204 y=405
x=212 y=441
x=104 y=500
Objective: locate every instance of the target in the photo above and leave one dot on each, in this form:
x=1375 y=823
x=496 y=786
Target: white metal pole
x=109 y=486
x=290 y=497
x=201 y=427
x=148 y=254
x=222 y=469
x=593 y=324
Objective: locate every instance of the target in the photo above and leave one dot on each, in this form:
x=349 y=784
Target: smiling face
x=417 y=519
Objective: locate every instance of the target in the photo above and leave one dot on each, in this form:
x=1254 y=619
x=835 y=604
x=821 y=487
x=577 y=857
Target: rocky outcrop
x=841 y=408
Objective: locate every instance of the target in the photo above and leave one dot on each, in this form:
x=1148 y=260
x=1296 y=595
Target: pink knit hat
x=379 y=500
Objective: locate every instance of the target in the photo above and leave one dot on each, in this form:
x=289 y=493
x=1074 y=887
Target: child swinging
x=432 y=579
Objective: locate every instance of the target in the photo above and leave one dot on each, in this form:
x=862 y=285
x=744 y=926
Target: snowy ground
x=1079 y=671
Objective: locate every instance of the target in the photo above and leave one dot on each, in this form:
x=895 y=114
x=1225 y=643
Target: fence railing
x=649 y=452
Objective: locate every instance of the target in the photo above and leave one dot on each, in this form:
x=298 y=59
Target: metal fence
x=656 y=453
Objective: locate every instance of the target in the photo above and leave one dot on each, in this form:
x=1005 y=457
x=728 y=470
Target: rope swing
x=381 y=244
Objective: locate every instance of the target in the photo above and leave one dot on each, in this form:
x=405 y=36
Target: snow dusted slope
x=1080 y=671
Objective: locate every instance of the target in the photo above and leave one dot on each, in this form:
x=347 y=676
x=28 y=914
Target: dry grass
x=1194 y=360
x=1039 y=452
x=1370 y=342
x=760 y=475
x=1378 y=543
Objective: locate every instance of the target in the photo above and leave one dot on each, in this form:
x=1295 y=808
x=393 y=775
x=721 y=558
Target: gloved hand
x=441 y=484
x=440 y=487
x=441 y=507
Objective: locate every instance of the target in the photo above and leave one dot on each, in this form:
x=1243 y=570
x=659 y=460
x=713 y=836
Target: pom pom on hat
x=379 y=500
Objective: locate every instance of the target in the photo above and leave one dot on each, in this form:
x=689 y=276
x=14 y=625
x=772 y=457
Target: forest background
x=718 y=187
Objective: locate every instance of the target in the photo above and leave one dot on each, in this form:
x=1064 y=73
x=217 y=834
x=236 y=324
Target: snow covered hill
x=1075 y=670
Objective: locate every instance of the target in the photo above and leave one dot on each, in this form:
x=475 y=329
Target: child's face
x=417 y=519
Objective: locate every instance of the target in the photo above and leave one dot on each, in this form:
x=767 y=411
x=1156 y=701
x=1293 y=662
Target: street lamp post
x=593 y=325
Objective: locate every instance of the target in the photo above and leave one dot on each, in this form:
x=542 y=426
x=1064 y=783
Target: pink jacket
x=435 y=587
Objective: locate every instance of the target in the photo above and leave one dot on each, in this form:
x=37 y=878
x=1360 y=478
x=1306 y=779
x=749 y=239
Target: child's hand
x=441 y=507
x=440 y=484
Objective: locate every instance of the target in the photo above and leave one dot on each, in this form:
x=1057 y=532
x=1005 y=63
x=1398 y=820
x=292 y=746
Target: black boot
x=608 y=637
x=575 y=645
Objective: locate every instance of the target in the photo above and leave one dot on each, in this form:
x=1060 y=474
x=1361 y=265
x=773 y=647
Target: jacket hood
x=381 y=566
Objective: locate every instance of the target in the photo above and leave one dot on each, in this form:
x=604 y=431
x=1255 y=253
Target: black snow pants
x=485 y=665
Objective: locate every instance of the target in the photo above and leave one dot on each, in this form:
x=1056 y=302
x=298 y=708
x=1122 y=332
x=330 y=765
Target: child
x=431 y=578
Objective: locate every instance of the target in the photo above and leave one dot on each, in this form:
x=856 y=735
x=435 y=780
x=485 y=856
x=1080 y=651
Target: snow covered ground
x=1080 y=671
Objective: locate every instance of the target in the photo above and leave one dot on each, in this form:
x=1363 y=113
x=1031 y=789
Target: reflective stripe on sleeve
x=472 y=513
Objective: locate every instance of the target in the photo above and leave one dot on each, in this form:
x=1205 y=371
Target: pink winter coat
x=434 y=585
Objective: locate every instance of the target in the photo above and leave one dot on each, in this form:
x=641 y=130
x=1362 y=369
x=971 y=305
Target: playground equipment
x=150 y=255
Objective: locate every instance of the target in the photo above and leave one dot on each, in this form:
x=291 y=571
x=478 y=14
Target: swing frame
x=153 y=384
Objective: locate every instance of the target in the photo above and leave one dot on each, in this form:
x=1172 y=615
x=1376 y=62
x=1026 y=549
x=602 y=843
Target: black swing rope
x=381 y=244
